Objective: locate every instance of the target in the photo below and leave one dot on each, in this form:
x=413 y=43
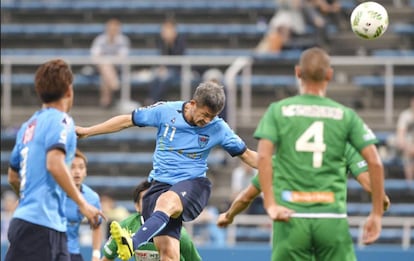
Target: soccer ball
x=369 y=20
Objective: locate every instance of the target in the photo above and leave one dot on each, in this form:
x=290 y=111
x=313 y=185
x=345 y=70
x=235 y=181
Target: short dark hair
x=79 y=153
x=52 y=80
x=144 y=185
x=210 y=94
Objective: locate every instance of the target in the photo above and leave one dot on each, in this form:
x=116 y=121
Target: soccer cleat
x=123 y=241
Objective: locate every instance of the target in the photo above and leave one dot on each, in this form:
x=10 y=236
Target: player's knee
x=170 y=203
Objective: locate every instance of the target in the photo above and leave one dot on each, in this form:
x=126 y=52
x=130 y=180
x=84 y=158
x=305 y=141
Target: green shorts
x=308 y=239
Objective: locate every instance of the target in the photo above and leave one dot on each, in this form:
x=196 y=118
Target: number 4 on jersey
x=312 y=141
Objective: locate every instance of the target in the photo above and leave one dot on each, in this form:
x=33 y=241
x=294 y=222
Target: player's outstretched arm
x=114 y=124
x=240 y=203
x=250 y=158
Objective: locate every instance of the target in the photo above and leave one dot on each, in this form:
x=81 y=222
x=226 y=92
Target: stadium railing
x=394 y=228
x=186 y=62
x=237 y=65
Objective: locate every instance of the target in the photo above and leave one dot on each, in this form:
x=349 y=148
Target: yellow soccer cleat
x=123 y=241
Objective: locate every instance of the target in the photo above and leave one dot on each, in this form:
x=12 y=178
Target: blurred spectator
x=289 y=14
x=240 y=179
x=215 y=75
x=112 y=213
x=206 y=232
x=274 y=40
x=405 y=139
x=8 y=205
x=169 y=43
x=292 y=15
x=330 y=9
x=110 y=43
x=327 y=12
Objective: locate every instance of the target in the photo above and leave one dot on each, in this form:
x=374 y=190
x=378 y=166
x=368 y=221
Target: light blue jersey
x=42 y=200
x=182 y=149
x=75 y=217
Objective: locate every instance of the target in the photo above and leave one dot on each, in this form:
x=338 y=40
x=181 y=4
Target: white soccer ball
x=369 y=20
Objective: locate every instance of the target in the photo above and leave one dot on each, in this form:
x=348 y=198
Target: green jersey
x=309 y=168
x=148 y=252
x=355 y=165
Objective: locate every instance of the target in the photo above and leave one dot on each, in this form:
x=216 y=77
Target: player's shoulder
x=58 y=116
x=89 y=192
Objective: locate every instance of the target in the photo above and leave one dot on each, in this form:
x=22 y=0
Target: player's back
x=310 y=133
x=311 y=130
x=41 y=198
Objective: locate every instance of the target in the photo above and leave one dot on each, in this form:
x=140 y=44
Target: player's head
x=79 y=167
x=53 y=82
x=208 y=101
x=314 y=66
x=139 y=192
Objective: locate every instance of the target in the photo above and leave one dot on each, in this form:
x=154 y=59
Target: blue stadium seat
x=107 y=181
x=397 y=209
x=253 y=233
x=259 y=81
x=386 y=233
x=400 y=81
x=137 y=6
x=289 y=55
x=122 y=158
x=392 y=52
x=403 y=28
x=141 y=6
x=129 y=29
x=81 y=81
x=391 y=185
x=26 y=79
x=383 y=136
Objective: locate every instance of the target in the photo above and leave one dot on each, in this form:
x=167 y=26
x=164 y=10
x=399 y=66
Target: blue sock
x=154 y=225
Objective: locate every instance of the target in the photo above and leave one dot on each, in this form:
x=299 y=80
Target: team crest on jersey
x=203 y=140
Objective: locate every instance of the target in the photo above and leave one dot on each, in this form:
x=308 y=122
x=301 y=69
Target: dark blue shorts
x=194 y=195
x=32 y=242
x=76 y=257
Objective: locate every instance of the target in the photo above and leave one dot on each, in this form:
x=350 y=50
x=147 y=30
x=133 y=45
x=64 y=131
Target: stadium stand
x=212 y=28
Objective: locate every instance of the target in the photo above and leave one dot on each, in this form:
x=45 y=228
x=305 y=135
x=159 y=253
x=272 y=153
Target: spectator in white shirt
x=110 y=43
x=405 y=140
